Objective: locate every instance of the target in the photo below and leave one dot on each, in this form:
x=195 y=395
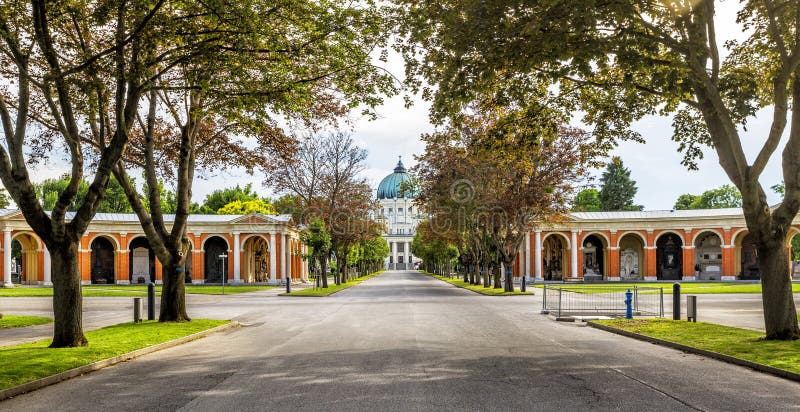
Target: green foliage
x=238 y=207
x=4 y=199
x=288 y=205
x=726 y=196
x=217 y=199
x=587 y=200
x=317 y=238
x=617 y=189
x=114 y=201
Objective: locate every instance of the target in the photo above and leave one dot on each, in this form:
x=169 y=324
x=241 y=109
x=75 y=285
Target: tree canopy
x=617 y=62
x=587 y=200
x=617 y=189
x=724 y=196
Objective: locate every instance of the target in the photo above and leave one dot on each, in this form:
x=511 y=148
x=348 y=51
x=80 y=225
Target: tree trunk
x=67 y=299
x=780 y=314
x=497 y=275
x=173 y=295
x=509 y=277
x=324 y=274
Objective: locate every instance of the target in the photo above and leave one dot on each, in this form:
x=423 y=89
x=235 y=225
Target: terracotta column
x=650 y=263
x=613 y=264
x=688 y=263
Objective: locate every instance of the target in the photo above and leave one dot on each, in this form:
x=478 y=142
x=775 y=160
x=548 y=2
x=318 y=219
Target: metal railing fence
x=606 y=300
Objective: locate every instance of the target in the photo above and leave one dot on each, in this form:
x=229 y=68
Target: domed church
x=400 y=215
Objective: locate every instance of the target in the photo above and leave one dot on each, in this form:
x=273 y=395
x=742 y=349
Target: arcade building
x=253 y=249
x=686 y=245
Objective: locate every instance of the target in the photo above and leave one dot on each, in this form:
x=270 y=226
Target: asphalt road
x=405 y=341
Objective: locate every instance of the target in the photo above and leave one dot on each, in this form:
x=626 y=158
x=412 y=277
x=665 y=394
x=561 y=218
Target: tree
x=726 y=196
x=318 y=240
x=62 y=61
x=617 y=189
x=247 y=65
x=518 y=167
x=237 y=207
x=617 y=62
x=217 y=199
x=587 y=200
x=686 y=201
x=323 y=176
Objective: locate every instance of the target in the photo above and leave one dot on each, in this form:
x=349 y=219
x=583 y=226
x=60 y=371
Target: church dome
x=390 y=186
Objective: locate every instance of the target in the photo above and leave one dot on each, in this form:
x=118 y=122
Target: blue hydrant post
x=628 y=306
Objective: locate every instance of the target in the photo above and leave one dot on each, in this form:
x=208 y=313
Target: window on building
x=390 y=210
x=410 y=210
x=399 y=210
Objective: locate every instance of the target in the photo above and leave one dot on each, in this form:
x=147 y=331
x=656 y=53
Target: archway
x=669 y=257
x=256 y=260
x=555 y=257
x=748 y=258
x=631 y=256
x=25 y=259
x=215 y=267
x=142 y=262
x=708 y=256
x=794 y=253
x=102 y=260
x=594 y=257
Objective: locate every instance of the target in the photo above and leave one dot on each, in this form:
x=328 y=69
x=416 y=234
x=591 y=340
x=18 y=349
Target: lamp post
x=224 y=258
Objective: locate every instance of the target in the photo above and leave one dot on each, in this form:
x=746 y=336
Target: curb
x=702 y=352
x=81 y=370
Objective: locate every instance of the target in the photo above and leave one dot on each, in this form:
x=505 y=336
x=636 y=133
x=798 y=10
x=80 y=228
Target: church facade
x=251 y=248
x=401 y=217
x=669 y=245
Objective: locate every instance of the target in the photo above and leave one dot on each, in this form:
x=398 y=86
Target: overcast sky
x=655 y=165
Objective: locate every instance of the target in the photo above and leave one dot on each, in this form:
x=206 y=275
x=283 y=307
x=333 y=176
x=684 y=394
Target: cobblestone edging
x=81 y=370
x=702 y=352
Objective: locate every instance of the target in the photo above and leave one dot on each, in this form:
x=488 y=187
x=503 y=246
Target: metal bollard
x=288 y=285
x=628 y=304
x=137 y=310
x=691 y=308
x=676 y=301
x=151 y=301
x=522 y=284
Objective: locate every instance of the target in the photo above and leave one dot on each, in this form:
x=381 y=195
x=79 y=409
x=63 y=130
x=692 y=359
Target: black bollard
x=151 y=301
x=288 y=285
x=676 y=301
x=522 y=284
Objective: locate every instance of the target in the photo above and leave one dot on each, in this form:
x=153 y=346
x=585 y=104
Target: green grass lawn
x=686 y=287
x=740 y=343
x=129 y=290
x=20 y=321
x=332 y=288
x=31 y=361
x=457 y=281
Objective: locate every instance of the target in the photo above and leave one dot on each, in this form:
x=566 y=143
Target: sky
x=655 y=165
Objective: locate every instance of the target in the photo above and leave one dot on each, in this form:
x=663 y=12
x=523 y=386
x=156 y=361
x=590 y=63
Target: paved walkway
x=405 y=341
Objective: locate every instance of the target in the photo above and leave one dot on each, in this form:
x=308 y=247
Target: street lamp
x=224 y=256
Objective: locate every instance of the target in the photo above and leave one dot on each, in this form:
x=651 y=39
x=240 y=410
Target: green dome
x=389 y=188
